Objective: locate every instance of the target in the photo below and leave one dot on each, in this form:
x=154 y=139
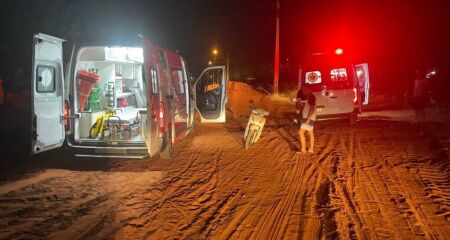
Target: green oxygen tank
x=94 y=99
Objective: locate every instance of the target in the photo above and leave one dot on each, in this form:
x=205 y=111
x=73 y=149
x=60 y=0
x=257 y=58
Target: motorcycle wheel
x=250 y=136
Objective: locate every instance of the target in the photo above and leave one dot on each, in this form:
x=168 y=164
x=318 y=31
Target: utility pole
x=228 y=67
x=276 y=70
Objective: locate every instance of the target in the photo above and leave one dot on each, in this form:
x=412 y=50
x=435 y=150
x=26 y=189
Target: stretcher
x=123 y=126
x=117 y=126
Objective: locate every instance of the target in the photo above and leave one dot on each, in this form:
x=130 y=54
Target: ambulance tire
x=192 y=116
x=353 y=119
x=193 y=124
x=167 y=151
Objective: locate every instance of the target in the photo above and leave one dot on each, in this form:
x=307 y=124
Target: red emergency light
x=339 y=51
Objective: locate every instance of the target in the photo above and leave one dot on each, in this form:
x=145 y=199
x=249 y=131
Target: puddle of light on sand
x=214 y=140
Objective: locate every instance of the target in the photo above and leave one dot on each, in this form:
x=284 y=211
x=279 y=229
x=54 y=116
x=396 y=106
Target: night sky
x=395 y=37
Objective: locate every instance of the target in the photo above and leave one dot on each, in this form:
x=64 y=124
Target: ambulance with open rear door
x=116 y=100
x=341 y=87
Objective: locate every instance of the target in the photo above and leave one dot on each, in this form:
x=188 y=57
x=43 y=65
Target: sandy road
x=375 y=180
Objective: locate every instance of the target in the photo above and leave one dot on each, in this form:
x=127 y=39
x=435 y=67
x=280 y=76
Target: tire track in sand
x=387 y=195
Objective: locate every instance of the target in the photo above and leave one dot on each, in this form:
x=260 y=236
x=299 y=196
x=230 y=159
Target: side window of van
x=210 y=81
x=181 y=81
x=313 y=77
x=338 y=75
x=45 y=79
x=154 y=81
x=176 y=81
x=162 y=59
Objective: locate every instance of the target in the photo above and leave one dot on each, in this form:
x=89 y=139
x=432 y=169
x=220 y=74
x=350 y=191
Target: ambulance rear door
x=155 y=108
x=47 y=94
x=362 y=76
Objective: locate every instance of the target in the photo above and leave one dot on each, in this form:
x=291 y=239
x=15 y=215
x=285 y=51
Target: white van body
x=115 y=100
x=341 y=88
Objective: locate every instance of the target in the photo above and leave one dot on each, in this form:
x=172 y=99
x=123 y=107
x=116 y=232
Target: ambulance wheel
x=353 y=119
x=167 y=152
x=195 y=115
x=193 y=124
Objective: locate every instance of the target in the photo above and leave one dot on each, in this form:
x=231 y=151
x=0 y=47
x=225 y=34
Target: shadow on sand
x=15 y=158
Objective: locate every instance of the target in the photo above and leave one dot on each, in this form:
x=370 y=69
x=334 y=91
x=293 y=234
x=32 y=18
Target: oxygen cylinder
x=110 y=95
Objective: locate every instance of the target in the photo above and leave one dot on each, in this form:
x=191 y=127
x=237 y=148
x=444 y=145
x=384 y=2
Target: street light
x=339 y=51
x=218 y=59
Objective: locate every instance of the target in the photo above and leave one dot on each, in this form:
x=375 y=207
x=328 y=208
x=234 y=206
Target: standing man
x=421 y=95
x=306 y=106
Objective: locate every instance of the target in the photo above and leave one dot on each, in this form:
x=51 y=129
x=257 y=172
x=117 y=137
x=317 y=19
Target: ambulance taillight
x=66 y=115
x=161 y=117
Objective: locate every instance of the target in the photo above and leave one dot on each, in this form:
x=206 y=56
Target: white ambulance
x=341 y=87
x=118 y=101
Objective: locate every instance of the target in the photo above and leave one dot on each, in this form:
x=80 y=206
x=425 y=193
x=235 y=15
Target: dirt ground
x=377 y=179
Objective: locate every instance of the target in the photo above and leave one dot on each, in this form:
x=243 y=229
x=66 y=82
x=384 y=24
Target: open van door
x=47 y=94
x=362 y=75
x=154 y=121
x=210 y=94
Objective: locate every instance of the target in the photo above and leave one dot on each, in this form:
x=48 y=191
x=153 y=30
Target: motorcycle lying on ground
x=254 y=127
